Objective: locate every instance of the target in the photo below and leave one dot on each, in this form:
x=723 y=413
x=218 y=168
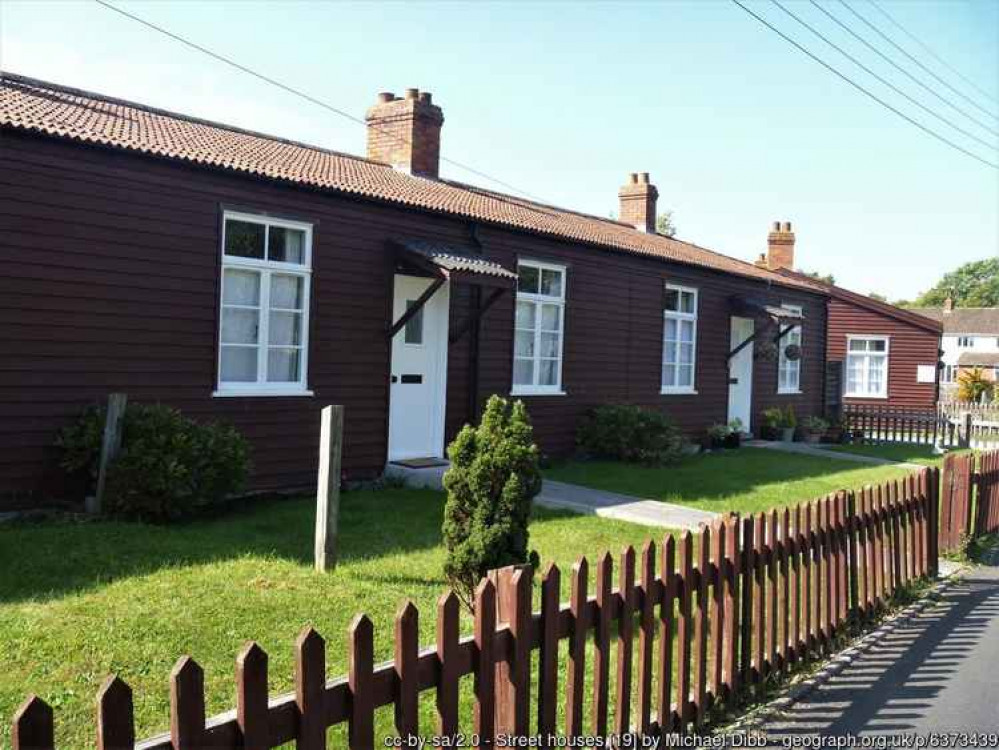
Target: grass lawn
x=81 y=600
x=914 y=454
x=745 y=480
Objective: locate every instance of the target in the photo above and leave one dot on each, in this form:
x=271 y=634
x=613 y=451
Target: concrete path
x=622 y=507
x=937 y=673
x=806 y=449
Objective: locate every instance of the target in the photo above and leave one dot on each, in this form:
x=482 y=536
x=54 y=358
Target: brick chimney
x=780 y=248
x=406 y=132
x=638 y=203
x=948 y=304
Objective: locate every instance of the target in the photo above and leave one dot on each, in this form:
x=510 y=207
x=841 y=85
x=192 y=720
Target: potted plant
x=717 y=435
x=734 y=437
x=773 y=420
x=813 y=427
x=835 y=432
x=788 y=424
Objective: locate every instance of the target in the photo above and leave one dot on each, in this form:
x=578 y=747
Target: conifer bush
x=493 y=478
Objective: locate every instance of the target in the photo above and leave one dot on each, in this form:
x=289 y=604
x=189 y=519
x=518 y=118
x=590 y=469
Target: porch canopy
x=449 y=263
x=751 y=307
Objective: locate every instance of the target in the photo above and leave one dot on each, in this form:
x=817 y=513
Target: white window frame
x=965 y=342
x=538 y=300
x=266 y=268
x=883 y=394
x=794 y=336
x=673 y=390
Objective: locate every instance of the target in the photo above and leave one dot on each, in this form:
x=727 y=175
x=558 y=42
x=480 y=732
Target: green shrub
x=629 y=433
x=169 y=466
x=494 y=475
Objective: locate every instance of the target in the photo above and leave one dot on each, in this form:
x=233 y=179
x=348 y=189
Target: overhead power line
x=883 y=80
x=865 y=91
x=891 y=41
x=301 y=94
x=902 y=70
x=933 y=54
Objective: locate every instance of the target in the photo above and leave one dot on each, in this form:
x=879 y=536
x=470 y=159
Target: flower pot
x=787 y=435
x=733 y=441
x=813 y=437
x=716 y=443
x=768 y=433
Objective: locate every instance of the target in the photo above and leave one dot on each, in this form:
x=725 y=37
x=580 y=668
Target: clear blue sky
x=736 y=127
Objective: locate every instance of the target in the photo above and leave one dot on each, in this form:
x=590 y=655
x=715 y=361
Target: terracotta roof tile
x=38 y=106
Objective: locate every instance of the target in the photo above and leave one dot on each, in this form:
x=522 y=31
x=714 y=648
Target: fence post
x=966 y=434
x=110 y=445
x=328 y=487
x=933 y=513
x=513 y=607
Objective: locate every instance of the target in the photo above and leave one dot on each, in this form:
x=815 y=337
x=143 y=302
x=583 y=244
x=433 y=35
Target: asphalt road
x=938 y=673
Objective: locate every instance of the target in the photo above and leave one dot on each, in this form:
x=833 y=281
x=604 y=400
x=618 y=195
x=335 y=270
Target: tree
x=972 y=385
x=975 y=284
x=878 y=297
x=665 y=225
x=827 y=278
x=493 y=478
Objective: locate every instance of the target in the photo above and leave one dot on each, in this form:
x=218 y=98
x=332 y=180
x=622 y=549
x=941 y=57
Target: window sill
x=536 y=392
x=261 y=393
x=790 y=393
x=677 y=392
x=881 y=397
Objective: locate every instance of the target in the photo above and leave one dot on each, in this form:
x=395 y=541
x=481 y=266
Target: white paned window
x=264 y=320
x=948 y=374
x=789 y=371
x=539 y=327
x=966 y=342
x=679 y=339
x=867 y=366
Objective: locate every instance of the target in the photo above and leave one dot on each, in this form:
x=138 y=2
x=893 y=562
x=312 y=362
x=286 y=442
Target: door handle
x=733 y=381
x=395 y=379
x=412 y=378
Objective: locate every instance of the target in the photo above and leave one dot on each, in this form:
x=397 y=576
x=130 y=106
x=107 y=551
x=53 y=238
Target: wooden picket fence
x=710 y=618
x=876 y=424
x=969 y=498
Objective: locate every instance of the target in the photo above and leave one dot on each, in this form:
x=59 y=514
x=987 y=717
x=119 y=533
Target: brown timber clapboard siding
x=909 y=345
x=114 y=287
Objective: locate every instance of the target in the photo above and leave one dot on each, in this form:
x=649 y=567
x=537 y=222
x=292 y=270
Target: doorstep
x=412 y=474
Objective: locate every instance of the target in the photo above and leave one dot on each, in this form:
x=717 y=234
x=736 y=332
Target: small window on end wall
x=679 y=339
x=539 y=326
x=264 y=317
x=789 y=370
x=867 y=366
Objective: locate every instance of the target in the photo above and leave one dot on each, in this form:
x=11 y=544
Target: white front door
x=419 y=372
x=740 y=373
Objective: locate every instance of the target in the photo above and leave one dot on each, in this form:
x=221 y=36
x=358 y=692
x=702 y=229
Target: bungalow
x=244 y=277
x=878 y=355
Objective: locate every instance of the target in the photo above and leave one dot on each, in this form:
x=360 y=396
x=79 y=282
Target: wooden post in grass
x=328 y=489
x=110 y=445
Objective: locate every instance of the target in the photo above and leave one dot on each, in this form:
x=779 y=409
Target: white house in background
x=970 y=339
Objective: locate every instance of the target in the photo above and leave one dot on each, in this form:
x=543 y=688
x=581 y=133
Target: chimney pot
x=776 y=226
x=386 y=96
x=412 y=94
x=787 y=226
x=638 y=202
x=426 y=97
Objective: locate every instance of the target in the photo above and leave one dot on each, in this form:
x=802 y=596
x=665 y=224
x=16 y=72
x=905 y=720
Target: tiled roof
x=978 y=359
x=863 y=300
x=963 y=319
x=37 y=106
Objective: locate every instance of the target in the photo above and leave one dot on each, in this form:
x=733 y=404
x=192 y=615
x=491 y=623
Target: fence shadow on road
x=893 y=686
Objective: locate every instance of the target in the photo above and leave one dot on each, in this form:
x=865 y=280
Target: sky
x=563 y=100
